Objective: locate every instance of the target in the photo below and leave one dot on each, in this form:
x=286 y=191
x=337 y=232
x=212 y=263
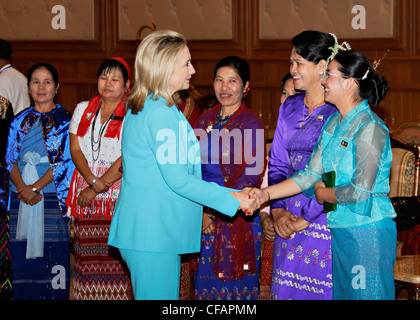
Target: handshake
x=251 y=199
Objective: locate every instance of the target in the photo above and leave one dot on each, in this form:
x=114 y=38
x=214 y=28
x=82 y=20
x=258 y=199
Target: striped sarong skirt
x=99 y=271
x=48 y=277
x=5 y=262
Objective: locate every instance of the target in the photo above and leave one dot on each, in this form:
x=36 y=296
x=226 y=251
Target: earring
x=322 y=74
x=246 y=92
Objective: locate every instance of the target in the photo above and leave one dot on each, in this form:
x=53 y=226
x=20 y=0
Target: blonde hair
x=155 y=61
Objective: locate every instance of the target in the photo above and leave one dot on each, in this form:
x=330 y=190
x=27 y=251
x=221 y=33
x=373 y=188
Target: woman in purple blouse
x=301 y=263
x=232 y=143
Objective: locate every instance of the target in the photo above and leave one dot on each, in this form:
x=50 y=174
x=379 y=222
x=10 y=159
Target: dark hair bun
x=354 y=64
x=379 y=90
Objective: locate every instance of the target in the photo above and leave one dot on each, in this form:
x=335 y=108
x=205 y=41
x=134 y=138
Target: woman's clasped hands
x=28 y=196
x=90 y=192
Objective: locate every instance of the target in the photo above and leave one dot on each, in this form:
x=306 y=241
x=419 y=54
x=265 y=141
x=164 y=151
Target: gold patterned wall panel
x=196 y=19
x=282 y=19
x=47 y=20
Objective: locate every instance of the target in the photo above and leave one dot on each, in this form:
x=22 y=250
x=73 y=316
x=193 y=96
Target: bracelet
x=268 y=194
x=91 y=189
x=209 y=213
x=93 y=181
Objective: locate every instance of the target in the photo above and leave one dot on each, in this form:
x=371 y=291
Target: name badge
x=320 y=117
x=344 y=144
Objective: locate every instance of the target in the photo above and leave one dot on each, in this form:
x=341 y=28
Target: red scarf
x=113 y=129
x=101 y=206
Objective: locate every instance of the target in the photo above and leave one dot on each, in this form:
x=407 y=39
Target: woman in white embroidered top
x=95 y=142
x=355 y=145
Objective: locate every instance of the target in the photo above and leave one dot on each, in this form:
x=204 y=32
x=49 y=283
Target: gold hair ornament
x=376 y=64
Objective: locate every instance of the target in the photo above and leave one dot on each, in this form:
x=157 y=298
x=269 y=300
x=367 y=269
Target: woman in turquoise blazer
x=158 y=214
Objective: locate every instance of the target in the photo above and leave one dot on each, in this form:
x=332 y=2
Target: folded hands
x=28 y=196
x=89 y=193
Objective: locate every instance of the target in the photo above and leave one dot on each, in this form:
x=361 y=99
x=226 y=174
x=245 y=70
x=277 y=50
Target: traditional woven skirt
x=208 y=287
x=186 y=285
x=266 y=269
x=46 y=278
x=99 y=270
x=302 y=266
x=5 y=263
x=363 y=261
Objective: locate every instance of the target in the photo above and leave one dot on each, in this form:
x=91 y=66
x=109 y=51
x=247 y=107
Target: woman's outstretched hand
x=259 y=194
x=319 y=188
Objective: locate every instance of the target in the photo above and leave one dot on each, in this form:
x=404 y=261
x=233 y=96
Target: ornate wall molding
x=32 y=20
x=282 y=19
x=195 y=19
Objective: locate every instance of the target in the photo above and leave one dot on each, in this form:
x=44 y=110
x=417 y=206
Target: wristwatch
x=35 y=189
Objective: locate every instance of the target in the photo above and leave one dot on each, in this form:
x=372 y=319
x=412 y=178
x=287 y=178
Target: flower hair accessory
x=337 y=47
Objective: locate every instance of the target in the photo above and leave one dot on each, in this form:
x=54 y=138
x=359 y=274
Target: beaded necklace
x=223 y=121
x=96 y=144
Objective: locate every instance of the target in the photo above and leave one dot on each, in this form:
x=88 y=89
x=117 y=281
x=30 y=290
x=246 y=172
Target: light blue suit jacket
x=159 y=208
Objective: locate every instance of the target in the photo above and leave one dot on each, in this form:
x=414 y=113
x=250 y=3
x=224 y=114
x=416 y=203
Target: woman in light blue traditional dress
x=355 y=144
x=38 y=170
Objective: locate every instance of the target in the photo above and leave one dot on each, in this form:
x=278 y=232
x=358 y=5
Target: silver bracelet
x=93 y=181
